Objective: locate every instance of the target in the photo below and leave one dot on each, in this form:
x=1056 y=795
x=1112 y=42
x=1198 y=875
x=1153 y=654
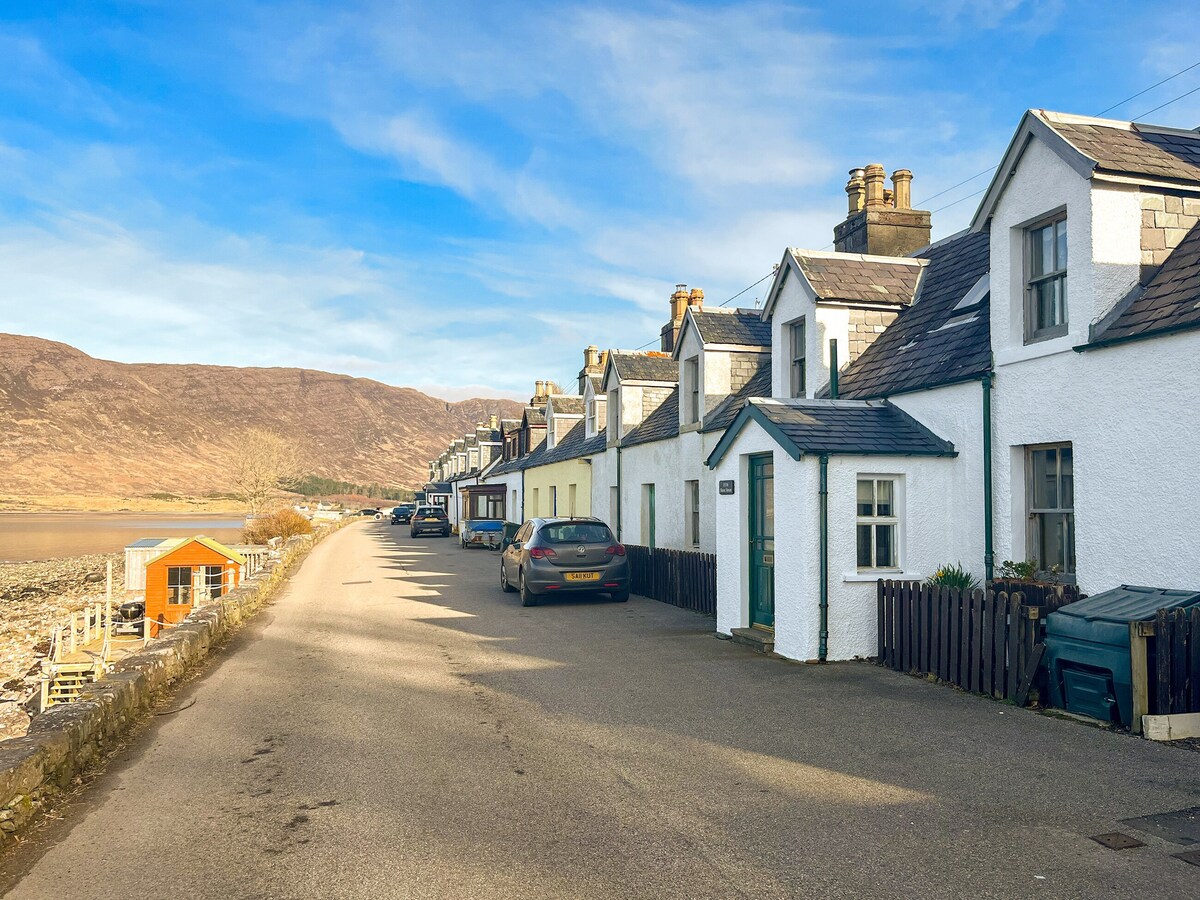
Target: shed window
x=878 y=524
x=179 y=585
x=1046 y=279
x=214 y=581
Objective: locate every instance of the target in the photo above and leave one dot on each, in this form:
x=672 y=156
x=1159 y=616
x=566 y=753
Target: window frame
x=185 y=590
x=1035 y=514
x=691 y=374
x=797 y=364
x=691 y=489
x=1030 y=282
x=876 y=521
x=613 y=409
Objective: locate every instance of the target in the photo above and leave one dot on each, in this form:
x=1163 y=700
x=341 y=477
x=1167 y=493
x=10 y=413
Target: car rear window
x=433 y=511
x=577 y=533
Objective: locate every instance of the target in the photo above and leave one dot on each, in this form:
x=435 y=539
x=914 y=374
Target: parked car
x=564 y=554
x=402 y=513
x=369 y=513
x=429 y=520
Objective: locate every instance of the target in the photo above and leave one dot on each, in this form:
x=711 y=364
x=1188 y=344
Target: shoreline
x=100 y=503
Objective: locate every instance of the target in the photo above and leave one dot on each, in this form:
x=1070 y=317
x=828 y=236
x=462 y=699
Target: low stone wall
x=65 y=739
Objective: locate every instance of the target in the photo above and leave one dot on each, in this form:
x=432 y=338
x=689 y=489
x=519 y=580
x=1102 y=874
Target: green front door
x=762 y=541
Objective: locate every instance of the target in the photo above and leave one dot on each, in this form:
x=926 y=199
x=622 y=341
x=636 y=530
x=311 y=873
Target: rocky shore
x=33 y=597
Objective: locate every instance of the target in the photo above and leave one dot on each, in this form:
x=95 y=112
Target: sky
x=460 y=197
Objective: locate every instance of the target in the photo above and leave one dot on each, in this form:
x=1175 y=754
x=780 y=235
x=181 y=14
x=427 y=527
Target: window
x=1046 y=279
x=593 y=422
x=877 y=524
x=796 y=348
x=513 y=511
x=179 y=585
x=614 y=416
x=494 y=506
x=1051 y=495
x=572 y=490
x=534 y=510
x=691 y=493
x=691 y=382
x=554 y=500
x=214 y=581
x=578 y=533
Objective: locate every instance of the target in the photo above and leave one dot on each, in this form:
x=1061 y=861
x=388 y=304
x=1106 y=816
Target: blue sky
x=459 y=197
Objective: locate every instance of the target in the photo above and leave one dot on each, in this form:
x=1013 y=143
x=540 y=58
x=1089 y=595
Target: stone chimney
x=493 y=422
x=680 y=300
x=696 y=299
x=593 y=364
x=539 y=394
x=881 y=222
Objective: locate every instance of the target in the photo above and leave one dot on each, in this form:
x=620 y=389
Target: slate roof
x=840 y=427
x=726 y=411
x=1170 y=302
x=1127 y=148
x=932 y=342
x=735 y=326
x=568 y=405
x=853 y=277
x=572 y=446
x=635 y=366
x=661 y=424
x=535 y=415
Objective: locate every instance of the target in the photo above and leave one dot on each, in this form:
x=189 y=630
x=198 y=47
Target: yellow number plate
x=582 y=576
x=431 y=519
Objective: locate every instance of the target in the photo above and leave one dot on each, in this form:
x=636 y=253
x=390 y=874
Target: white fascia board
x=1032 y=126
x=781 y=272
x=738 y=348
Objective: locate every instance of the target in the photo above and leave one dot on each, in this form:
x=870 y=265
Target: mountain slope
x=73 y=424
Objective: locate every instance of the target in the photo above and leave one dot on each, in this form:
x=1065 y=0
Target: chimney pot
x=902 y=188
x=591 y=356
x=679 y=302
x=696 y=298
x=874 y=175
x=856 y=190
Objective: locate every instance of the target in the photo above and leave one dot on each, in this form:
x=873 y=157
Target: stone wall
x=65 y=739
x=865 y=326
x=742 y=367
x=1166 y=220
x=653 y=398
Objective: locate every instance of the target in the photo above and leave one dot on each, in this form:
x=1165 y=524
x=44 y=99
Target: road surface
x=394 y=726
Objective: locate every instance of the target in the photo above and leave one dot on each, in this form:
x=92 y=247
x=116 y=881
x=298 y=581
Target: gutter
x=1130 y=338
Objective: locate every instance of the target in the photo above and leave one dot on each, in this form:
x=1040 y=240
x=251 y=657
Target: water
x=50 y=535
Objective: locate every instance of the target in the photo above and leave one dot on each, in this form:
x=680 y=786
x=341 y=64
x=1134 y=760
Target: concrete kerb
x=65 y=739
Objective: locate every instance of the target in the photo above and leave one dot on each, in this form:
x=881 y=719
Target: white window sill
x=1024 y=352
x=857 y=577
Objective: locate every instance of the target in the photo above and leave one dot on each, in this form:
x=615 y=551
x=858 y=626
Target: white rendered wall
x=1126 y=410
x=822 y=324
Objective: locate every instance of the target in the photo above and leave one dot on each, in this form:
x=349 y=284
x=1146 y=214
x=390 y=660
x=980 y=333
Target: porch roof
x=836 y=427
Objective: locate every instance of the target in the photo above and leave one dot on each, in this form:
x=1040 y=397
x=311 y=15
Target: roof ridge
x=860 y=257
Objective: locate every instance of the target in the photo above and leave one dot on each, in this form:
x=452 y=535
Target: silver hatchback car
x=550 y=556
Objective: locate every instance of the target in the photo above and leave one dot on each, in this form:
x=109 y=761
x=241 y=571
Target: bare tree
x=263 y=462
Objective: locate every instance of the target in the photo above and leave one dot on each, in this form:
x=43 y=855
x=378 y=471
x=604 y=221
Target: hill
x=74 y=425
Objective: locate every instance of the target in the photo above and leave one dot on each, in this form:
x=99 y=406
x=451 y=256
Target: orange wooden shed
x=194 y=571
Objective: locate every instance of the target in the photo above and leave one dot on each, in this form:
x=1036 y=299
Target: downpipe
x=823 y=637
x=989 y=552
x=619 y=495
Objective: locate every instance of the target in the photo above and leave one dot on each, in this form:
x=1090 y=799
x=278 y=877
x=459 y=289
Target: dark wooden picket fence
x=680 y=577
x=989 y=642
x=1177 y=661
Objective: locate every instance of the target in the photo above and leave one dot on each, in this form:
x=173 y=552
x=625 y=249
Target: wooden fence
x=1177 y=661
x=989 y=642
x=680 y=577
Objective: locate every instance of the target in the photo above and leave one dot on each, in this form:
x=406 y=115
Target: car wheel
x=620 y=596
x=528 y=598
x=504 y=585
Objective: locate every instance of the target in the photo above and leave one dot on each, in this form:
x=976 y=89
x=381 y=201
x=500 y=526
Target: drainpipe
x=618 y=493
x=523 y=516
x=989 y=554
x=833 y=369
x=823 y=646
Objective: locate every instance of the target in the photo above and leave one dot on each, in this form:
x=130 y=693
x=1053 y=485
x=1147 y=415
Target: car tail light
x=616 y=550
x=542 y=553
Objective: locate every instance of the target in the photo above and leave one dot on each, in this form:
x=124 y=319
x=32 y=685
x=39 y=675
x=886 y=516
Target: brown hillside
x=73 y=424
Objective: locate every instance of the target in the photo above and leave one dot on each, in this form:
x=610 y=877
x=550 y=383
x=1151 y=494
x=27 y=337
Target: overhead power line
x=1149 y=89
x=1168 y=103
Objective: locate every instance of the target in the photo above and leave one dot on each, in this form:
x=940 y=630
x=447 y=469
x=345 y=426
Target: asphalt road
x=395 y=726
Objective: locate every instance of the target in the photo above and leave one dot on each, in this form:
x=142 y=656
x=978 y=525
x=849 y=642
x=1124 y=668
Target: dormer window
x=1046 y=279
x=691 y=384
x=797 y=362
x=614 y=415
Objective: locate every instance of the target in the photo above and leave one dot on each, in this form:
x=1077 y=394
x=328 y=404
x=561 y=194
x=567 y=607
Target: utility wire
x=1169 y=102
x=1149 y=89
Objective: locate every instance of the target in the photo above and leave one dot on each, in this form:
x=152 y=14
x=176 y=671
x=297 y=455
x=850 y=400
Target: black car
x=402 y=513
x=550 y=556
x=429 y=520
